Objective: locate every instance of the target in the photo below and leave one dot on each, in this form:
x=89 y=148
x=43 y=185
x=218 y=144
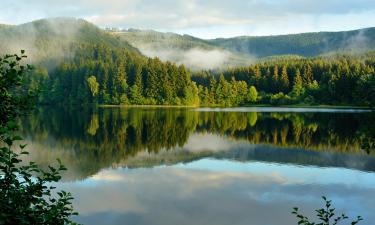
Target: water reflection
x=88 y=140
x=219 y=192
x=186 y=166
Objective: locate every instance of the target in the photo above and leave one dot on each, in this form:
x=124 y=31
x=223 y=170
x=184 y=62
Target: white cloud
x=204 y=18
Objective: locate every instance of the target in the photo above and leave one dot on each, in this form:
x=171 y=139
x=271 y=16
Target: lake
x=207 y=166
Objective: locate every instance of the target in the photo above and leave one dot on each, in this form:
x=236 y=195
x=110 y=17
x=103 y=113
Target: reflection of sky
x=291 y=173
x=219 y=192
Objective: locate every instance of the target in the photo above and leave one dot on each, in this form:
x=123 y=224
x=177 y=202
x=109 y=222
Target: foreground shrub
x=326 y=216
x=27 y=194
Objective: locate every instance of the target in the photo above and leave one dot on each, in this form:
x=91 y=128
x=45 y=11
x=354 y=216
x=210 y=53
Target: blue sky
x=203 y=18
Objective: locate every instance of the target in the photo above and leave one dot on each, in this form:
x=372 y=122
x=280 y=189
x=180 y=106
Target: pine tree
x=297 y=85
x=212 y=97
x=138 y=78
x=136 y=95
x=284 y=81
x=258 y=76
x=275 y=80
x=119 y=85
x=308 y=77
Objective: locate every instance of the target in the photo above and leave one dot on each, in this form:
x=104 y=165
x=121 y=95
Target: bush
x=26 y=191
x=325 y=216
x=280 y=99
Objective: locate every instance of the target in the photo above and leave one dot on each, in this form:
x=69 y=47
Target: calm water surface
x=208 y=166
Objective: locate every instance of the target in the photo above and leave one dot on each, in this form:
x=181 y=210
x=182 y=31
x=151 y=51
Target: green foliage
x=280 y=99
x=325 y=216
x=297 y=85
x=27 y=195
x=121 y=77
x=284 y=80
x=366 y=90
x=339 y=79
x=13 y=97
x=252 y=95
x=93 y=85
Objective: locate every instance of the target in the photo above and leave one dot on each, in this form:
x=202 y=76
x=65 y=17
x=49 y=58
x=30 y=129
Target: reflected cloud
x=110 y=176
x=198 y=142
x=170 y=195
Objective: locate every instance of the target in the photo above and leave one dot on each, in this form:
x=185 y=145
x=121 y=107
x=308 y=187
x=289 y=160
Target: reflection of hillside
x=91 y=143
x=317 y=131
x=266 y=153
x=91 y=139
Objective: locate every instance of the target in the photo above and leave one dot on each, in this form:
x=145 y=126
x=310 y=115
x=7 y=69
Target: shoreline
x=242 y=106
x=146 y=106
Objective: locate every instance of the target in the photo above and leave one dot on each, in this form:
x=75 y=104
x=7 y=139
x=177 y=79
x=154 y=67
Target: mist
x=358 y=43
x=45 y=41
x=196 y=58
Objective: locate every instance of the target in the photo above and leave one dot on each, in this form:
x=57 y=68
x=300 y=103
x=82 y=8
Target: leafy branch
x=326 y=216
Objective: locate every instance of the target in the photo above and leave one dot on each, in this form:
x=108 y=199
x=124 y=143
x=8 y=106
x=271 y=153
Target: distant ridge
x=183 y=49
x=304 y=44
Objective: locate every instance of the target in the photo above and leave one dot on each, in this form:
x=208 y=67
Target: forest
x=103 y=75
x=333 y=80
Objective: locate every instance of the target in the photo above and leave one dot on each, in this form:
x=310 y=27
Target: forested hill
x=79 y=63
x=51 y=40
x=193 y=52
x=238 y=51
x=306 y=44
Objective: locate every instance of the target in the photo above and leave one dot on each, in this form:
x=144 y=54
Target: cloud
x=209 y=17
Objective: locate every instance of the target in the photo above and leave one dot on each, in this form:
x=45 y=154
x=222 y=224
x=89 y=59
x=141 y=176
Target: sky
x=202 y=18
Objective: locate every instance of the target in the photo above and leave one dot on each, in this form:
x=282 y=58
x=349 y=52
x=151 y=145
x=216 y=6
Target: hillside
x=51 y=40
x=305 y=44
x=244 y=50
x=193 y=52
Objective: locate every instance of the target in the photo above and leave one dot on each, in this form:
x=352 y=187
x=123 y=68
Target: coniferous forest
x=104 y=75
x=99 y=74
